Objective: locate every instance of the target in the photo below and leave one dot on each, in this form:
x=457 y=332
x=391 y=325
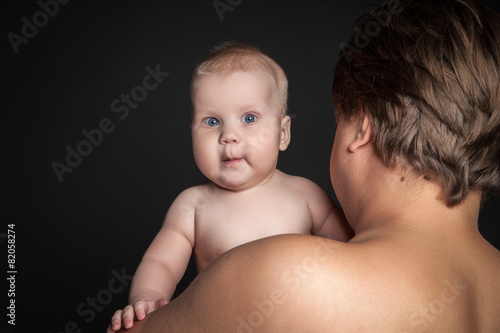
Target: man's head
x=428 y=73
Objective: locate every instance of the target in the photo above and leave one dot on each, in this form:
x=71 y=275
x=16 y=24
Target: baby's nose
x=229 y=135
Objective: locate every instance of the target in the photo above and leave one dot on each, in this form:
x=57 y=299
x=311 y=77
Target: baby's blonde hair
x=231 y=57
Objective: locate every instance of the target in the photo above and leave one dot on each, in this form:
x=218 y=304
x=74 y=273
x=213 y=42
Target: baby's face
x=237 y=129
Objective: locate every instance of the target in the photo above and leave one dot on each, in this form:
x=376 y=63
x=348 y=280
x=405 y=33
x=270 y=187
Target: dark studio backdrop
x=79 y=236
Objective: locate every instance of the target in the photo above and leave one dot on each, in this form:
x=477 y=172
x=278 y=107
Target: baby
x=239 y=125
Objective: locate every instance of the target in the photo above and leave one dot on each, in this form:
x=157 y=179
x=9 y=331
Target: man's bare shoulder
x=305 y=283
x=332 y=283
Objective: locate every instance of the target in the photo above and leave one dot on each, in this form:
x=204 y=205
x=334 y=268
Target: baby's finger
x=116 y=322
x=128 y=316
x=161 y=302
x=111 y=329
x=141 y=308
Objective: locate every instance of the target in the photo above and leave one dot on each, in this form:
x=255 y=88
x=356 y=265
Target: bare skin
x=237 y=132
x=414 y=265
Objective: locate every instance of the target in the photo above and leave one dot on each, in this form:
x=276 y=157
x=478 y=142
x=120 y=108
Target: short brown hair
x=230 y=57
x=429 y=76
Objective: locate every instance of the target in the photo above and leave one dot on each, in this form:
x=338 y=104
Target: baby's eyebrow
x=204 y=110
x=257 y=107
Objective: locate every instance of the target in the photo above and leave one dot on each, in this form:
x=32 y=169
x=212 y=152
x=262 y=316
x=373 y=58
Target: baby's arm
x=328 y=220
x=163 y=264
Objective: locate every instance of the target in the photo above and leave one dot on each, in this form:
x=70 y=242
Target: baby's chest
x=220 y=227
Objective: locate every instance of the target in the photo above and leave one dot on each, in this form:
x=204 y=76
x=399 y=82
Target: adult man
x=416 y=150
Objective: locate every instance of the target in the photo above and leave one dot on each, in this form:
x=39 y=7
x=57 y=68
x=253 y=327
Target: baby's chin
x=238 y=184
x=235 y=185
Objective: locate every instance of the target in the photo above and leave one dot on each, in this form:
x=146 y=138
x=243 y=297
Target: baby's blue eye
x=249 y=118
x=211 y=122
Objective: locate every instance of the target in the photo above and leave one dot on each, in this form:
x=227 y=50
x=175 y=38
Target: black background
x=71 y=235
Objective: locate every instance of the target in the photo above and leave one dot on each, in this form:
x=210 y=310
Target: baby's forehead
x=219 y=77
x=264 y=81
x=267 y=92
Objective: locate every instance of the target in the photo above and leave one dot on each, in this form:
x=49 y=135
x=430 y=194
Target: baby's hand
x=137 y=310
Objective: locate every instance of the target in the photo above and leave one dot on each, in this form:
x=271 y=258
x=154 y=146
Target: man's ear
x=285 y=135
x=365 y=134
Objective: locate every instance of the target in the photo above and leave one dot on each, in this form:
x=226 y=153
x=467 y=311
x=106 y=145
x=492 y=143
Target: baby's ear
x=364 y=135
x=285 y=135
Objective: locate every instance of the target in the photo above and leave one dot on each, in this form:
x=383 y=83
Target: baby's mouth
x=231 y=161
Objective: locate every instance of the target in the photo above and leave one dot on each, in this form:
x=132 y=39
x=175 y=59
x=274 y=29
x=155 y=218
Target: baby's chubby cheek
x=262 y=139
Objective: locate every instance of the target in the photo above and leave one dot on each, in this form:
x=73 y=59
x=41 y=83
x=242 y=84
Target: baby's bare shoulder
x=196 y=194
x=298 y=183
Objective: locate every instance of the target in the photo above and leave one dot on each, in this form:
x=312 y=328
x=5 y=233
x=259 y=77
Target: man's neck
x=416 y=206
